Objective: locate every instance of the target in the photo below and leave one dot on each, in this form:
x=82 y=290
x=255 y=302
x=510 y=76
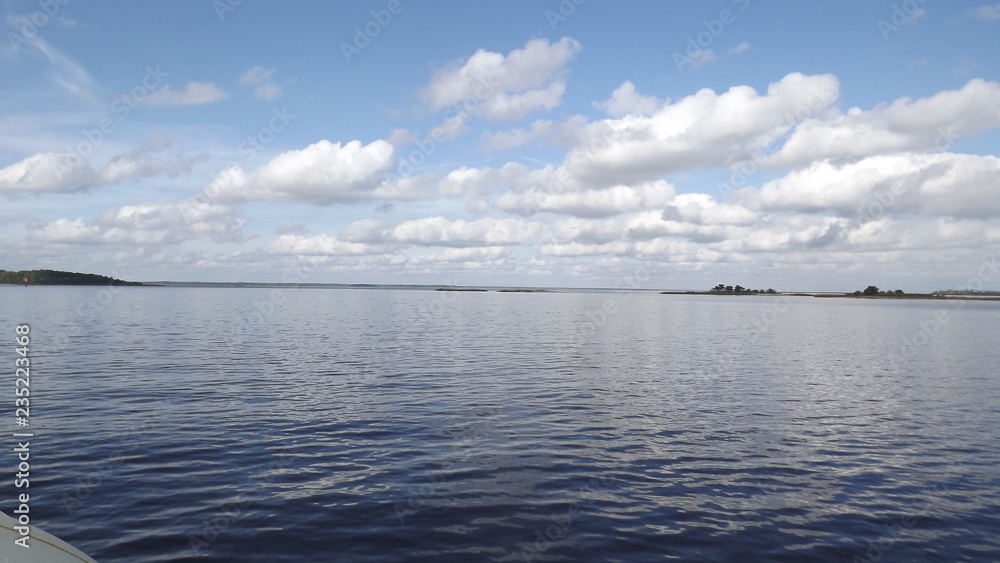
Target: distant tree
x=871 y=290
x=771 y=291
x=720 y=288
x=858 y=293
x=740 y=289
x=729 y=289
x=899 y=292
x=756 y=291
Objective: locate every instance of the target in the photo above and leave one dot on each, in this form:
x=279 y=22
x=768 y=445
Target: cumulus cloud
x=703 y=209
x=67 y=173
x=150 y=223
x=626 y=100
x=905 y=124
x=563 y=133
x=319 y=245
x=67 y=231
x=322 y=173
x=577 y=249
x=705 y=129
x=501 y=87
x=195 y=93
x=365 y=230
x=467 y=255
x=589 y=203
x=940 y=184
x=438 y=231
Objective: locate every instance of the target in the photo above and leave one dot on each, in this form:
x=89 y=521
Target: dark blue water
x=275 y=425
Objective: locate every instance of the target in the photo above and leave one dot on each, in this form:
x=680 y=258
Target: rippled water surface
x=227 y=424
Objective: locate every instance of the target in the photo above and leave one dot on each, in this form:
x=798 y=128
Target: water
x=216 y=424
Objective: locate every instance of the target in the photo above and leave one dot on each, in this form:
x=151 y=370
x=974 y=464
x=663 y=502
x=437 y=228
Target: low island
x=56 y=277
x=870 y=292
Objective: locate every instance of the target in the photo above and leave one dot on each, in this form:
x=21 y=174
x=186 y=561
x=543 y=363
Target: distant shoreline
x=61 y=278
x=966 y=297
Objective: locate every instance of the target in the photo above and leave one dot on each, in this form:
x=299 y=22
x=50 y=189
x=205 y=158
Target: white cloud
x=469 y=255
x=576 y=249
x=258 y=77
x=319 y=245
x=365 y=230
x=150 y=223
x=66 y=231
x=703 y=57
x=498 y=87
x=438 y=231
x=702 y=130
x=61 y=69
x=322 y=173
x=626 y=100
x=268 y=91
x=905 y=124
x=563 y=133
x=988 y=13
x=46 y=173
x=945 y=184
x=741 y=48
x=195 y=93
x=67 y=173
x=703 y=209
x=589 y=203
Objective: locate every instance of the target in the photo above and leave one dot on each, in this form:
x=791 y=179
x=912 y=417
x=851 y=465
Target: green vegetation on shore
x=739 y=290
x=56 y=277
x=723 y=289
x=873 y=291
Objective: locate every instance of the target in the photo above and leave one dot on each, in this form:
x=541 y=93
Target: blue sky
x=782 y=144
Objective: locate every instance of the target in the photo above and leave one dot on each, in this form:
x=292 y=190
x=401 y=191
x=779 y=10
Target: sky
x=574 y=143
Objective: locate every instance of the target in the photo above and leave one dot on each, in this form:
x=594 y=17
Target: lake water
x=216 y=424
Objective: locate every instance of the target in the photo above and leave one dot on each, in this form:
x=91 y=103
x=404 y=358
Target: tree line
x=734 y=289
x=56 y=277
